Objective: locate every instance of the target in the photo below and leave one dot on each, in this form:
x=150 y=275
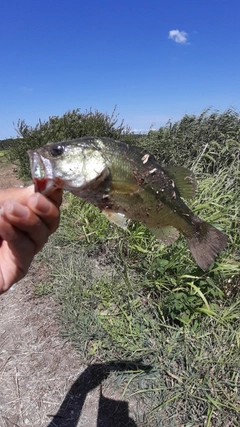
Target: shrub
x=213 y=138
x=73 y=124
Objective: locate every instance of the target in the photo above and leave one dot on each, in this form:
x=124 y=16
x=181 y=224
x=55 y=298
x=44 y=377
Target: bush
x=73 y=124
x=213 y=138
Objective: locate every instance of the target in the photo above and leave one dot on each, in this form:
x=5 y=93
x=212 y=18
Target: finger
x=19 y=194
x=17 y=251
x=22 y=247
x=56 y=197
x=46 y=210
x=22 y=195
x=25 y=220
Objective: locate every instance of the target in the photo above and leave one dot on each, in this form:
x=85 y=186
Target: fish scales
x=124 y=181
x=153 y=199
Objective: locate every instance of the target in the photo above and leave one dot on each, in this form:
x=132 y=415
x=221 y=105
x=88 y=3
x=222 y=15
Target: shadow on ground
x=111 y=413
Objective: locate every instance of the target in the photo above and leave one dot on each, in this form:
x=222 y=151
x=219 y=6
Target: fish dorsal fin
x=116 y=217
x=167 y=235
x=184 y=180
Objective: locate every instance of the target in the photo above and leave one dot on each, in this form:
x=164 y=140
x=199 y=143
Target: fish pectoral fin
x=123 y=187
x=116 y=217
x=167 y=235
x=184 y=180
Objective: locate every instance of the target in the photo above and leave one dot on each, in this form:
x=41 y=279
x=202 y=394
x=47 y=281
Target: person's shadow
x=111 y=413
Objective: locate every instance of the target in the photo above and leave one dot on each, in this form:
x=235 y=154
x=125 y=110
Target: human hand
x=26 y=221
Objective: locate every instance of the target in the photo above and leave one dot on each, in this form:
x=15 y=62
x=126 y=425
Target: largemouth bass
x=126 y=182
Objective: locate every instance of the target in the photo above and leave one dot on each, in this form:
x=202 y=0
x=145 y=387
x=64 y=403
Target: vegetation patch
x=124 y=296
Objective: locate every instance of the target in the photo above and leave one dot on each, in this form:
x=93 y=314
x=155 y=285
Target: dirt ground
x=42 y=380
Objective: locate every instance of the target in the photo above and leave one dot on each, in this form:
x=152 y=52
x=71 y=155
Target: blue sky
x=156 y=60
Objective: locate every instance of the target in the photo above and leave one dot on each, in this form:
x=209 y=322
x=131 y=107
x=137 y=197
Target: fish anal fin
x=168 y=235
x=116 y=217
x=184 y=180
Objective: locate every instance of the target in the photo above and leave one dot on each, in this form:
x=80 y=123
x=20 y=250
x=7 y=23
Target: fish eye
x=56 y=150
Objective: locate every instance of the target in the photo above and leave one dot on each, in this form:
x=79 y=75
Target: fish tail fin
x=205 y=242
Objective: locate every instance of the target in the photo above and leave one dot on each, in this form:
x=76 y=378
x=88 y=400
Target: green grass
x=195 y=364
x=3 y=157
x=43 y=289
x=124 y=296
x=3 y=153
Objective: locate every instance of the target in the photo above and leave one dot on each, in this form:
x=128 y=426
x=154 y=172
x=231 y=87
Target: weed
x=43 y=289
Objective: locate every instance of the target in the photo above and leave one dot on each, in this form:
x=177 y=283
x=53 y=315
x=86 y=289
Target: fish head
x=71 y=165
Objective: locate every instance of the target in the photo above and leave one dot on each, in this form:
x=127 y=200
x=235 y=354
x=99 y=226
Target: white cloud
x=178 y=36
x=140 y=131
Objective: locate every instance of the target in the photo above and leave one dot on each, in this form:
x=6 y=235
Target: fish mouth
x=42 y=174
x=36 y=165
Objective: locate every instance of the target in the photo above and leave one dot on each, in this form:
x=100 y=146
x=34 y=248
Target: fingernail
x=41 y=203
x=15 y=209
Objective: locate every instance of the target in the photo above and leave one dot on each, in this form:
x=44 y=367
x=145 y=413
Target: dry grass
x=43 y=380
x=32 y=369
